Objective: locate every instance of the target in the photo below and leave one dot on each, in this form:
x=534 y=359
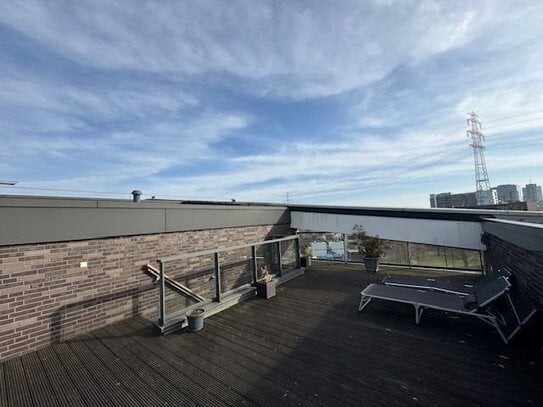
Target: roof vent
x=136 y=196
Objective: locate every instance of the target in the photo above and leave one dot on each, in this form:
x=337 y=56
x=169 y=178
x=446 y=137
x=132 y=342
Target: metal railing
x=216 y=252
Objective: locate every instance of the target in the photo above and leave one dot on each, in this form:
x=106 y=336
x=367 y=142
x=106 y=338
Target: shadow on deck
x=306 y=346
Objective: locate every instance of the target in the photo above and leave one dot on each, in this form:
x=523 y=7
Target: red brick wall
x=526 y=266
x=47 y=297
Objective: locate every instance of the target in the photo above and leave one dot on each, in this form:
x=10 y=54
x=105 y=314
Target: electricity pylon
x=483 y=191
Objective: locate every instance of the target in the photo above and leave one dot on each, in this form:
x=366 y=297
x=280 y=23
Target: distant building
x=489 y=197
x=463 y=200
x=448 y=200
x=442 y=200
x=509 y=193
x=532 y=192
x=510 y=206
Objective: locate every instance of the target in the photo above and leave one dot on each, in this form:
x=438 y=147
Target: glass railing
x=210 y=275
x=340 y=247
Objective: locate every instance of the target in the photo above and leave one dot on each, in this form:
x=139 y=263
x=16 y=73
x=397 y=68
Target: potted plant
x=372 y=247
x=265 y=286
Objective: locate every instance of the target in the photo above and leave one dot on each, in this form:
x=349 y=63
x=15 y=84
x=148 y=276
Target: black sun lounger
x=475 y=304
x=521 y=306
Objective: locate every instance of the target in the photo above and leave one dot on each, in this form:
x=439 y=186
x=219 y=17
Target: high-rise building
x=509 y=193
x=448 y=200
x=464 y=200
x=442 y=200
x=532 y=192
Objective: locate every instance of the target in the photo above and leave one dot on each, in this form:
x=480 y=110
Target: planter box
x=265 y=290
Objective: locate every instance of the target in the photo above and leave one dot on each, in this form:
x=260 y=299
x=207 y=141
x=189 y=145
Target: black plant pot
x=305 y=261
x=371 y=264
x=195 y=320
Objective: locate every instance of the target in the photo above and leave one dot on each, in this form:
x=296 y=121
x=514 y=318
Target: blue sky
x=347 y=103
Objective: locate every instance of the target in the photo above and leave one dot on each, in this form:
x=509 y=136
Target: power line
x=512 y=117
x=68 y=190
x=74 y=191
x=535 y=119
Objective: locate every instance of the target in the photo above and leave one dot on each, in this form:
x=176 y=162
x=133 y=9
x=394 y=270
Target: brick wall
x=47 y=297
x=526 y=266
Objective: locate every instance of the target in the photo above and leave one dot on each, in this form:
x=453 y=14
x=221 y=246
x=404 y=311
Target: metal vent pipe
x=136 y=196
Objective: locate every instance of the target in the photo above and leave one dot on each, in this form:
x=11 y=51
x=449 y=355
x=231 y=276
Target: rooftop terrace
x=306 y=346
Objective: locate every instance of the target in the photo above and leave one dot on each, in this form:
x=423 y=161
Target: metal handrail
x=223 y=249
x=176 y=285
x=217 y=269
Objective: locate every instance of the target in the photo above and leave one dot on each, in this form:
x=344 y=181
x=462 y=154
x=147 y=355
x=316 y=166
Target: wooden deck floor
x=306 y=346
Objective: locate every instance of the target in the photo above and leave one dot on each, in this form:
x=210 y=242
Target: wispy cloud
x=279 y=48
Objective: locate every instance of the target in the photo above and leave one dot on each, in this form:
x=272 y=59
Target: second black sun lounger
x=522 y=307
x=475 y=304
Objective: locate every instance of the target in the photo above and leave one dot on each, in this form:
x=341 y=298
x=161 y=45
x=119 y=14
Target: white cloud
x=333 y=168
x=99 y=100
x=120 y=129
x=287 y=49
x=112 y=155
x=505 y=111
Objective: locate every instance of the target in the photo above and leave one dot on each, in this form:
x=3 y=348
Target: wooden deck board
x=153 y=380
x=263 y=365
x=321 y=381
x=306 y=346
x=317 y=364
x=122 y=373
x=17 y=390
x=61 y=383
x=213 y=379
x=3 y=393
x=234 y=373
x=86 y=385
x=39 y=386
x=113 y=389
x=181 y=377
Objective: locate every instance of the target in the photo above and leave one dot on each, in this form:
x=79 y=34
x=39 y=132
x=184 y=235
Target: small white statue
x=265 y=275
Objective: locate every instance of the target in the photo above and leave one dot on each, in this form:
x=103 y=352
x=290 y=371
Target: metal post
x=484 y=270
x=217 y=278
x=280 y=270
x=297 y=248
x=255 y=265
x=345 y=248
x=162 y=305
